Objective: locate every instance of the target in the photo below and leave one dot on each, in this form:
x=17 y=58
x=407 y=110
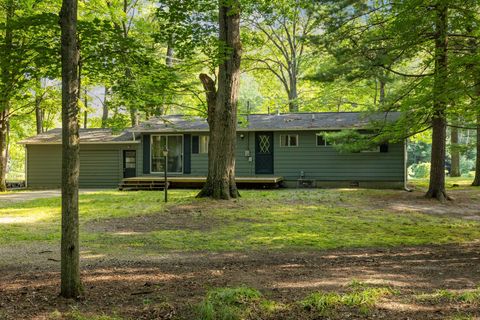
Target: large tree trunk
x=436 y=187
x=6 y=86
x=454 y=153
x=476 y=181
x=222 y=108
x=71 y=286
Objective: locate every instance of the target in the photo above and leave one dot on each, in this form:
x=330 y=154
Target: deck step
x=135 y=185
x=158 y=183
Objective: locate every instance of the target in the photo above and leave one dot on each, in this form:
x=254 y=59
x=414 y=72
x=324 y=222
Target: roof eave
x=59 y=143
x=252 y=130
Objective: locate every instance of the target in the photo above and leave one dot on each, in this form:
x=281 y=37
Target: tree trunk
x=85 y=113
x=3 y=150
x=436 y=187
x=222 y=108
x=476 y=181
x=6 y=85
x=38 y=116
x=162 y=109
x=293 y=95
x=134 y=116
x=382 y=92
x=38 y=107
x=455 y=153
x=169 y=58
x=105 y=108
x=71 y=286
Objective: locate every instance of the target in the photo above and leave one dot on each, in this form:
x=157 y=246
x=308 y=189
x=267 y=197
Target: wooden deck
x=157 y=182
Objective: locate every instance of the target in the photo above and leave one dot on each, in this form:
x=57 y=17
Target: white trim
x=289 y=135
x=318 y=134
x=166 y=135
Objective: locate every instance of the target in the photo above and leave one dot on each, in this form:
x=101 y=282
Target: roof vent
x=313 y=117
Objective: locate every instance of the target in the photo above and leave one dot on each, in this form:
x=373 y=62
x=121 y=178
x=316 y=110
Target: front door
x=129 y=163
x=264 y=152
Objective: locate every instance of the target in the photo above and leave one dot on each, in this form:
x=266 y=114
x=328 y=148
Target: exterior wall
x=244 y=167
x=101 y=166
x=325 y=165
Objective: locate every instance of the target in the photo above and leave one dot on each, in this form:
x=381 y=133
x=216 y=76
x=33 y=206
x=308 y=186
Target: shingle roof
x=271 y=122
x=253 y=122
x=54 y=136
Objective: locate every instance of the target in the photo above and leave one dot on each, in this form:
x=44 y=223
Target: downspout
x=405 y=170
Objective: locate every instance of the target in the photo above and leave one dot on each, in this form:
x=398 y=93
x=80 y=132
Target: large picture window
x=174 y=144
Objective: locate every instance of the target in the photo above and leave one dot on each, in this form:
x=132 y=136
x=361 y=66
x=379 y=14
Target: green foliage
x=466 y=166
x=419 y=170
x=228 y=303
x=418 y=151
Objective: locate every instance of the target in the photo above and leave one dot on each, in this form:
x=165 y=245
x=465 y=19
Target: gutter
x=405 y=169
x=81 y=143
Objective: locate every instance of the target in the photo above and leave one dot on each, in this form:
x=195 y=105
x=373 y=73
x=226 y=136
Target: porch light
x=165 y=152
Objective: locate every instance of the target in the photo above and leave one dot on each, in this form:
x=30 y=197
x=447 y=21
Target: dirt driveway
x=27 y=195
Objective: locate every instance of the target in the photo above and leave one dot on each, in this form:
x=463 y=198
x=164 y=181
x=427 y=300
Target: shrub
x=419 y=170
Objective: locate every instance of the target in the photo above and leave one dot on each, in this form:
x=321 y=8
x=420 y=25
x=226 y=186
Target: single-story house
x=289 y=146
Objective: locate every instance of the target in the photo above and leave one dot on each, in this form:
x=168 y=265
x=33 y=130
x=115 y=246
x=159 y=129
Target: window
x=289 y=140
x=203 y=145
x=382 y=148
x=322 y=140
x=174 y=144
x=130 y=159
x=200 y=144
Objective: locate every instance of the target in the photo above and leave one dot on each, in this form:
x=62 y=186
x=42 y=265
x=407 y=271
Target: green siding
x=326 y=163
x=101 y=166
x=317 y=163
x=44 y=166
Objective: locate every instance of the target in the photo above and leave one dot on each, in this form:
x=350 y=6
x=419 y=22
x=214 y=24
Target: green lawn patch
x=441 y=296
x=114 y=222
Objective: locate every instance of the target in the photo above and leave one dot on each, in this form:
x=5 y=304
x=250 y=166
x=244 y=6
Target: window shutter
x=384 y=147
x=146 y=153
x=195 y=144
x=187 y=138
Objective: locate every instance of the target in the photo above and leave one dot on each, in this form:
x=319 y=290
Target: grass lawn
x=272 y=254
x=289 y=219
